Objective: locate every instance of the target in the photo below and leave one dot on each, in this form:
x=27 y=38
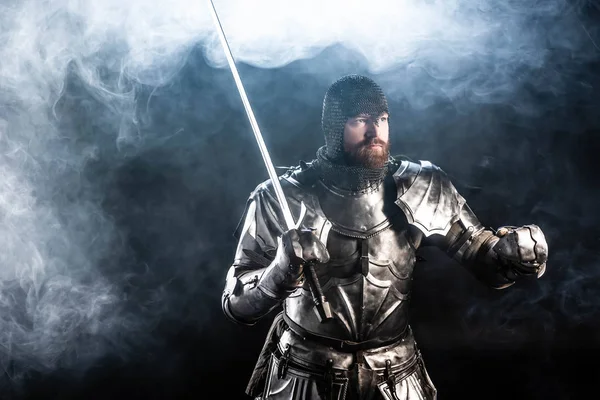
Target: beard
x=368 y=157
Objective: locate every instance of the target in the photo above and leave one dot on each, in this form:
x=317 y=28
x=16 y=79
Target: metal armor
x=367 y=349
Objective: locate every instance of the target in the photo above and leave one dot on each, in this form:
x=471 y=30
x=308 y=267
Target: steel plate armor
x=372 y=239
x=371 y=228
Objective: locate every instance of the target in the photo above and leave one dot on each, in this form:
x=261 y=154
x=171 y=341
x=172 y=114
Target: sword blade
x=287 y=214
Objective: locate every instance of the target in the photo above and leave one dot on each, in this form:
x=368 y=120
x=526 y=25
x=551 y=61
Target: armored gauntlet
x=296 y=248
x=499 y=258
x=522 y=250
x=255 y=293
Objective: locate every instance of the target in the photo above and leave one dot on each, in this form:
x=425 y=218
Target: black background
x=176 y=198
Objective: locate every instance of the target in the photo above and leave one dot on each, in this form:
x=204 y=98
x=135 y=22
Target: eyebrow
x=363 y=115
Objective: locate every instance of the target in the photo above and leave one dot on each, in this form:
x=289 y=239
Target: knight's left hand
x=524 y=247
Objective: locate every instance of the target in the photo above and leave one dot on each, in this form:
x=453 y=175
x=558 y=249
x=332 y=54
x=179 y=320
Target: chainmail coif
x=348 y=97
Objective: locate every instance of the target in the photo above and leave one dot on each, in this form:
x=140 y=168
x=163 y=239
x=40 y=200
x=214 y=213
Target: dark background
x=147 y=225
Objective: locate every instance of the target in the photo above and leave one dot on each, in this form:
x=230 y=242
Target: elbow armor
x=242 y=299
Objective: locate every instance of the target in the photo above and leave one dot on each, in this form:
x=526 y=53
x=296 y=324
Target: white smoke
x=422 y=49
x=148 y=41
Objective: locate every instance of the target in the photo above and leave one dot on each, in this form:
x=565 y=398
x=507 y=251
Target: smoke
x=58 y=304
x=481 y=50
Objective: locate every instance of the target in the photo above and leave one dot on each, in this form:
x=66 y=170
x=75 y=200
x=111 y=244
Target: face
x=366 y=140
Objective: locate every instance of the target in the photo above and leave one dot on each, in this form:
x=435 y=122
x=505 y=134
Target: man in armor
x=366 y=214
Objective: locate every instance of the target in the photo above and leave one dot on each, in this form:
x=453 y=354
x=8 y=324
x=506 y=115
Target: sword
x=322 y=308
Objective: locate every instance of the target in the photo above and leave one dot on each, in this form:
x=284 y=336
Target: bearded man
x=366 y=216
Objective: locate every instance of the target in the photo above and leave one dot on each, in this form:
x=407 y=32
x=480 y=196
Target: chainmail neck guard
x=352 y=178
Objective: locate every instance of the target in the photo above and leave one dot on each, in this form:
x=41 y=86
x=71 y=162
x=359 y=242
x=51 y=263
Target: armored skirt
x=294 y=367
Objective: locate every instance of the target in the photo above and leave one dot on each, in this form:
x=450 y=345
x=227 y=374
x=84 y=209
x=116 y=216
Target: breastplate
x=367 y=280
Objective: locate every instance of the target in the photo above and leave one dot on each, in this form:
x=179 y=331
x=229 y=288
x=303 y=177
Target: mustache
x=368 y=142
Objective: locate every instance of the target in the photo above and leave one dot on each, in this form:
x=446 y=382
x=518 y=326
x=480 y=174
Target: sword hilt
x=321 y=308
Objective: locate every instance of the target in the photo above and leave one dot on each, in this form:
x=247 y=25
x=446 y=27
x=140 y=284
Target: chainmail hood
x=348 y=97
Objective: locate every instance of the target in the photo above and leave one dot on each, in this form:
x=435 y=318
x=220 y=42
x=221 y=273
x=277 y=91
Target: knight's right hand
x=302 y=246
x=297 y=247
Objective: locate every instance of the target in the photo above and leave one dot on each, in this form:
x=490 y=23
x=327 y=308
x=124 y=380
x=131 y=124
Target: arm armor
x=433 y=205
x=253 y=294
x=493 y=257
x=260 y=277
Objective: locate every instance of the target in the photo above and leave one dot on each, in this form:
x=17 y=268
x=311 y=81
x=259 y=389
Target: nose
x=373 y=128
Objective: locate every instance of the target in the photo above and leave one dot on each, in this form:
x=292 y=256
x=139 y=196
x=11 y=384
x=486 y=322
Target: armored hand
x=297 y=247
x=523 y=250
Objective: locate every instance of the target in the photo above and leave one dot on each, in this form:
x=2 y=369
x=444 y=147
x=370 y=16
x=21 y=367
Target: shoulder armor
x=427 y=197
x=298 y=185
x=303 y=175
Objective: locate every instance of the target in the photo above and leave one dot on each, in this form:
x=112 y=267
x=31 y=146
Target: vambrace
x=253 y=294
x=497 y=258
x=478 y=256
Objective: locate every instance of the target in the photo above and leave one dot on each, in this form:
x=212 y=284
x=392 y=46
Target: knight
x=366 y=215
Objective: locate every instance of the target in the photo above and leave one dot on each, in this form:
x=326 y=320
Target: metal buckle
x=389 y=379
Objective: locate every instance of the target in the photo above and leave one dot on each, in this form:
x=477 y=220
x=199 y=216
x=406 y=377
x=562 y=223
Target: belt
x=282 y=364
x=342 y=345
